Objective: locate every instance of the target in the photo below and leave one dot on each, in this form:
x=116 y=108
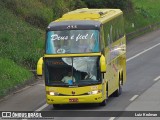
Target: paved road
x=141 y=91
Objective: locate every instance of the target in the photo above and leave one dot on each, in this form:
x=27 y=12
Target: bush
x=125 y=5
x=95 y=3
x=61 y=7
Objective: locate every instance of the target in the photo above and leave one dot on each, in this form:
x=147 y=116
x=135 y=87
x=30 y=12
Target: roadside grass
x=11 y=75
x=21 y=45
x=32 y=11
x=40 y=13
x=146 y=12
x=19 y=41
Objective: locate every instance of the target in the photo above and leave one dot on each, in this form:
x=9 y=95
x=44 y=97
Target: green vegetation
x=9 y=77
x=32 y=11
x=23 y=24
x=19 y=41
x=59 y=7
x=125 y=5
x=20 y=47
x=41 y=12
x=146 y=12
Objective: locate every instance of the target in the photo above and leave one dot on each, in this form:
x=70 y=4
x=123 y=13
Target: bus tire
x=103 y=103
x=118 y=91
x=56 y=106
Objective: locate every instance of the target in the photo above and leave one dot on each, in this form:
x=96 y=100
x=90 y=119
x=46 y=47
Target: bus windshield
x=79 y=71
x=72 y=41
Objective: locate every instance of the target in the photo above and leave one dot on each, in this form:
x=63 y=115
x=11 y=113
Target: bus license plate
x=73 y=99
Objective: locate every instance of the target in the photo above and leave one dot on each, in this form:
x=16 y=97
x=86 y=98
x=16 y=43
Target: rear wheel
x=119 y=90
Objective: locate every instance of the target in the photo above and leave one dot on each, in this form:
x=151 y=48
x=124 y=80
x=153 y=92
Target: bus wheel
x=103 y=103
x=56 y=106
x=118 y=91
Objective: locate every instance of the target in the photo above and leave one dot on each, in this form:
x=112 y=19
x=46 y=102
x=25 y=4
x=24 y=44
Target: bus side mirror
x=40 y=66
x=102 y=64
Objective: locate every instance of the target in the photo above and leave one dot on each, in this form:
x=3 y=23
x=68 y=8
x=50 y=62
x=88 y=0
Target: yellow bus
x=85 y=57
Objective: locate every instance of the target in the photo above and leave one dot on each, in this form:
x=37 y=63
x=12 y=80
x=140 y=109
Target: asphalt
x=146 y=103
x=25 y=99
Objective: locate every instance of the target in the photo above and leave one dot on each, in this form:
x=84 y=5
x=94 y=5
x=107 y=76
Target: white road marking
x=157 y=78
x=142 y=52
x=112 y=118
x=134 y=97
x=42 y=107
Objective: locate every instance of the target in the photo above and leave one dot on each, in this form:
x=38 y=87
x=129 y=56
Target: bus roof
x=84 y=19
x=101 y=15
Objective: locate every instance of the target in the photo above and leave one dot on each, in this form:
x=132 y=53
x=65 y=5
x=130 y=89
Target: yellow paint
x=80 y=94
x=39 y=66
x=103 y=64
x=102 y=15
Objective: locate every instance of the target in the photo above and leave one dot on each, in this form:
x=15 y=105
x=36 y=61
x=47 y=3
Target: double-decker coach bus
x=85 y=57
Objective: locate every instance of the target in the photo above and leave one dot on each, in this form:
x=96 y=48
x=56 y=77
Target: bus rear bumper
x=97 y=98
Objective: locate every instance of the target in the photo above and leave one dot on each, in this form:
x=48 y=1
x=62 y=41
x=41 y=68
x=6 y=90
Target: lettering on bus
x=77 y=38
x=55 y=63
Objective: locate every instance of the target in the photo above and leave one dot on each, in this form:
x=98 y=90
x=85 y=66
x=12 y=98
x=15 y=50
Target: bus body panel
x=79 y=99
x=82 y=94
x=116 y=66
